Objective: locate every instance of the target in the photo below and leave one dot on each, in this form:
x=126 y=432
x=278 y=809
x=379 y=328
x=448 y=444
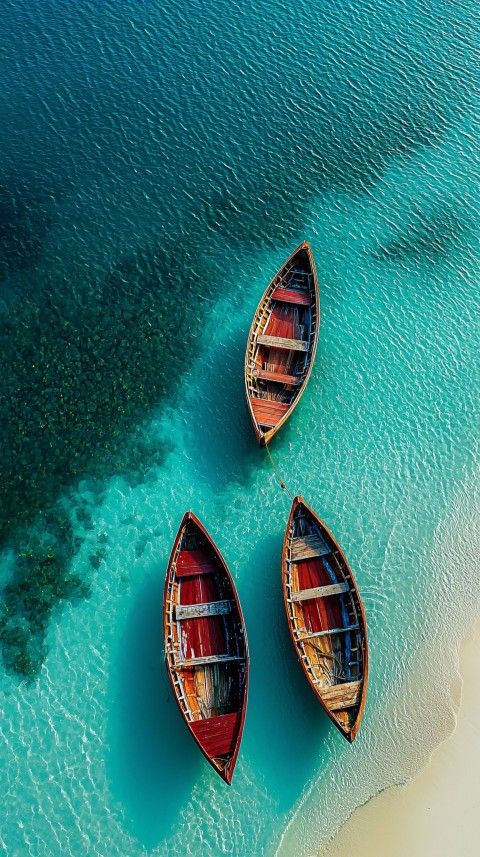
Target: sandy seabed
x=437 y=814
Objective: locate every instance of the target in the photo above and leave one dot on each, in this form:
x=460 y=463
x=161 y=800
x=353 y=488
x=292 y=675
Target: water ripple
x=156 y=153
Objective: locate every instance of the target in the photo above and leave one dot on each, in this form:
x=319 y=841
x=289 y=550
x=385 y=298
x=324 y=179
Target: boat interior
x=280 y=350
x=325 y=617
x=205 y=645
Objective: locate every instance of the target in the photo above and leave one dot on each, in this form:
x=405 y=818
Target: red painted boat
x=206 y=650
x=282 y=343
x=326 y=618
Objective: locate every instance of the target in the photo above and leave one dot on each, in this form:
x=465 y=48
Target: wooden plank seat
x=199 y=611
x=194 y=562
x=206 y=659
x=340 y=696
x=217 y=735
x=282 y=342
x=268 y=413
x=320 y=591
x=268 y=375
x=328 y=632
x=305 y=547
x=291 y=296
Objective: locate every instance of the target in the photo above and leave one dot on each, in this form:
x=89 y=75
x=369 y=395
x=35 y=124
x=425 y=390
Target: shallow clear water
x=201 y=135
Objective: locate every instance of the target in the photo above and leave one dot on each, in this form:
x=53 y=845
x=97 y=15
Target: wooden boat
x=326 y=617
x=206 y=649
x=282 y=343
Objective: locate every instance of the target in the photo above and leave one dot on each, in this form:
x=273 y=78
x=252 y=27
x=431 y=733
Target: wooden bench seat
x=199 y=611
x=329 y=632
x=291 y=296
x=267 y=375
x=340 y=696
x=268 y=413
x=320 y=591
x=305 y=547
x=281 y=342
x=206 y=659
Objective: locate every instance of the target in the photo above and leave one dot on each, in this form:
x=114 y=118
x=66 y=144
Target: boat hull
x=206 y=650
x=326 y=618
x=282 y=343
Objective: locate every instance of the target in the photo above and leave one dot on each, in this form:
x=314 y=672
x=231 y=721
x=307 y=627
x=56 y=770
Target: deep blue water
x=158 y=164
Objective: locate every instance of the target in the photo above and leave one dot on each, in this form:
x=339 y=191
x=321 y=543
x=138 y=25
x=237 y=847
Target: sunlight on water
x=337 y=142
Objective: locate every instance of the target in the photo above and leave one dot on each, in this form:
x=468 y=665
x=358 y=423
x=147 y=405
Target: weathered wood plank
x=279 y=377
x=197 y=611
x=207 y=659
x=330 y=631
x=281 y=342
x=270 y=405
x=340 y=696
x=320 y=591
x=304 y=547
x=308 y=553
x=309 y=538
x=267 y=411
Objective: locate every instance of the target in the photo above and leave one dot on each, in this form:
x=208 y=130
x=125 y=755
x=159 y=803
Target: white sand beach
x=437 y=814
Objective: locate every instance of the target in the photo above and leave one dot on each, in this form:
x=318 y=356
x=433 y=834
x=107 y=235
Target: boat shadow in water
x=153 y=761
x=221 y=440
x=288 y=727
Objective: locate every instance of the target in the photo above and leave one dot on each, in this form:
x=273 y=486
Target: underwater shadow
x=153 y=761
x=288 y=726
x=425 y=237
x=223 y=443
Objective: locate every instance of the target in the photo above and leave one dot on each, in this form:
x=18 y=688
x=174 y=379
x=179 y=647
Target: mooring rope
x=334 y=658
x=282 y=481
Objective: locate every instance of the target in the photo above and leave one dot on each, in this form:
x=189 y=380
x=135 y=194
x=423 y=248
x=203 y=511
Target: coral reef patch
x=80 y=373
x=41 y=581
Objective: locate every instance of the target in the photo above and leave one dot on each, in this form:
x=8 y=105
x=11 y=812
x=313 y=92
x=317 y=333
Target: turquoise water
x=161 y=164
